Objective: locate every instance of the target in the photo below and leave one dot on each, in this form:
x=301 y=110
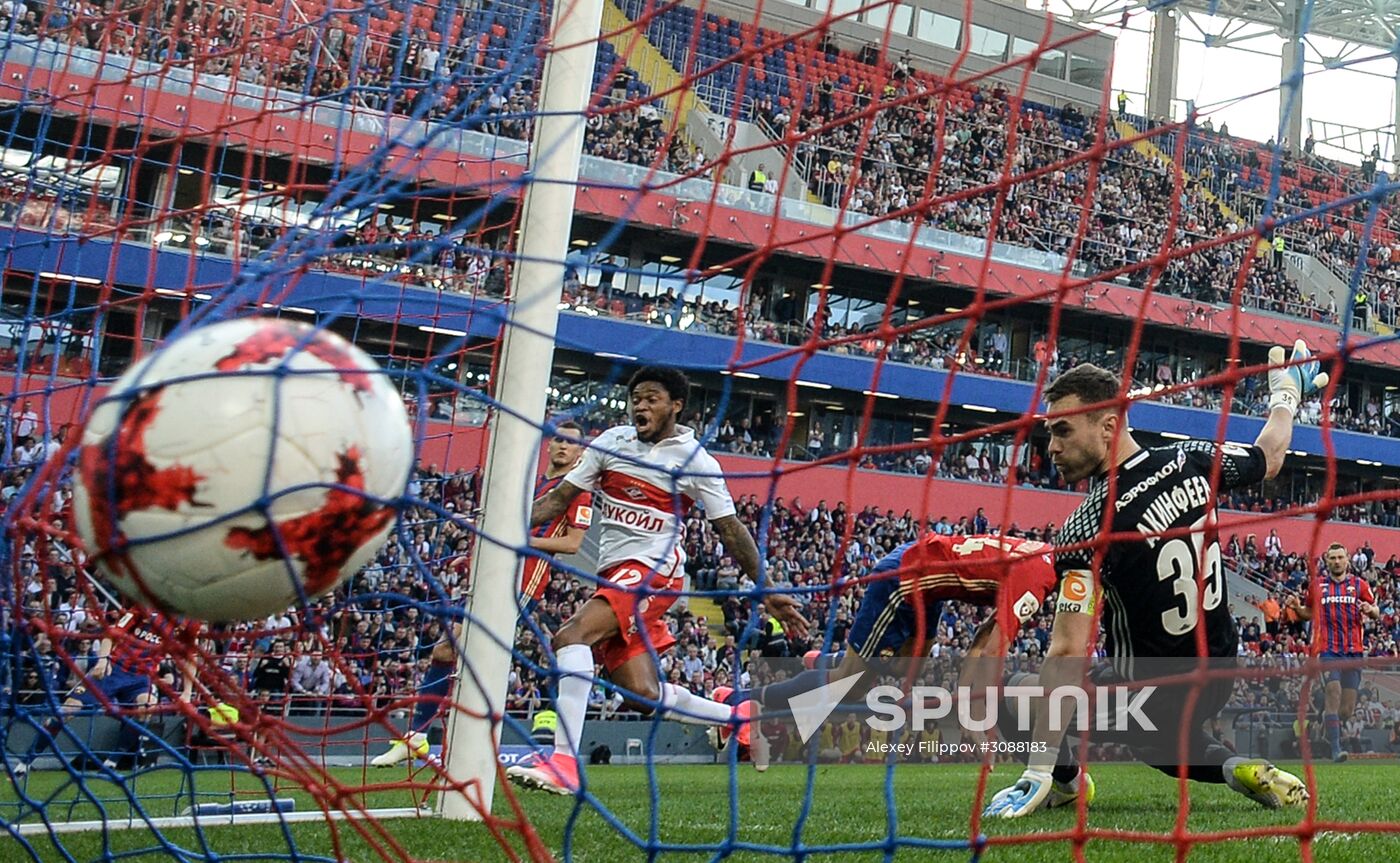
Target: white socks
x=575 y=663
x=682 y=705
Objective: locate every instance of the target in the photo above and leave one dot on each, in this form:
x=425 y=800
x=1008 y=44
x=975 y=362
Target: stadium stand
x=971 y=149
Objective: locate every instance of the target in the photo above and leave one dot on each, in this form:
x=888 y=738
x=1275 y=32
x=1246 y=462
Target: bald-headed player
x=1338 y=604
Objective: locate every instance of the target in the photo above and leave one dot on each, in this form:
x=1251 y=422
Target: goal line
x=226 y=819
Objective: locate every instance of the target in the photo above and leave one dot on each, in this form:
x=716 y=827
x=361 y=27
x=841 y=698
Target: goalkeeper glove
x=1289 y=383
x=1026 y=796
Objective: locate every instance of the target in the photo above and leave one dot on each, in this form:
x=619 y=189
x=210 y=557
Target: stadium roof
x=1373 y=23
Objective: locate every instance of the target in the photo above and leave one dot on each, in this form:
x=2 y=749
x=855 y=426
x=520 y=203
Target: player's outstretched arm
x=552 y=505
x=738 y=542
x=1065 y=665
x=569 y=543
x=1274 y=439
x=1289 y=381
x=982 y=669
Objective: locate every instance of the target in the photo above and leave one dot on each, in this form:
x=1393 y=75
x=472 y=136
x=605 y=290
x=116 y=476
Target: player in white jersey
x=644 y=477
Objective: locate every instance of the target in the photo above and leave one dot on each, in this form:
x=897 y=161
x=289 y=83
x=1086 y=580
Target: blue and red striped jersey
x=139 y=642
x=535 y=576
x=1338 y=616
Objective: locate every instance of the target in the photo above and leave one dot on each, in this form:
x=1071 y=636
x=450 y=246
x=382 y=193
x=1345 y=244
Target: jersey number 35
x=1177 y=562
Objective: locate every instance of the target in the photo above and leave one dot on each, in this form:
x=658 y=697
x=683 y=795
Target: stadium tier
x=412 y=406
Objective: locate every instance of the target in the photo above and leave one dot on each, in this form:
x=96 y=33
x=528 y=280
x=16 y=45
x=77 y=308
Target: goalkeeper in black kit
x=1159 y=585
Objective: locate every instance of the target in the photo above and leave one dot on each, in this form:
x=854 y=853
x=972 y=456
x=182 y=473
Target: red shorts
x=534 y=578
x=631 y=591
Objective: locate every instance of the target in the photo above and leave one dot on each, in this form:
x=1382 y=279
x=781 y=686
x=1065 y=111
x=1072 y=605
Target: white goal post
x=527 y=351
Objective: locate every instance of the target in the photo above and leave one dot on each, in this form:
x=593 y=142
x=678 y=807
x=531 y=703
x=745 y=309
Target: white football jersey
x=641 y=492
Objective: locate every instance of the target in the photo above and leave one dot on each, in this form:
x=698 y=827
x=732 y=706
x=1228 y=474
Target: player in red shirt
x=904 y=598
x=1338 y=605
x=563 y=535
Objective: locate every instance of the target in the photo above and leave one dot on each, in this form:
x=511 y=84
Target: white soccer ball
x=240 y=467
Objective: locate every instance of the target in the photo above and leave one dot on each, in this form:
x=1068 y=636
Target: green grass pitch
x=849 y=808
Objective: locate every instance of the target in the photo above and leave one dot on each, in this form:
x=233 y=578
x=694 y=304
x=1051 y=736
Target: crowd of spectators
x=1239 y=171
x=442 y=72
x=438 y=69
x=1133 y=195
x=636 y=133
x=1378 y=290
x=986 y=351
x=51 y=209
x=984 y=461
x=400 y=67
x=990 y=460
x=904 y=141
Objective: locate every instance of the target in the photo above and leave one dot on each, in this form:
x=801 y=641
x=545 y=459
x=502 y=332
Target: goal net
x=870 y=232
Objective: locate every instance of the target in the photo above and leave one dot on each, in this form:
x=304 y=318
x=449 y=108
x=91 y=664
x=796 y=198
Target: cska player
x=563 y=535
x=1142 y=548
x=1338 y=605
x=131 y=657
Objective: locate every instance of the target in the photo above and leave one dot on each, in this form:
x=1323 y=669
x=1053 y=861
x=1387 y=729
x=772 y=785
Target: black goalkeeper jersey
x=1153 y=598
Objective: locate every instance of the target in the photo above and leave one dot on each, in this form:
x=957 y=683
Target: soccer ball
x=241 y=467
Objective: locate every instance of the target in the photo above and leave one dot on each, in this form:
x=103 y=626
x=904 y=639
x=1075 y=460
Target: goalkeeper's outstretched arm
x=1274 y=439
x=1289 y=380
x=1066 y=663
